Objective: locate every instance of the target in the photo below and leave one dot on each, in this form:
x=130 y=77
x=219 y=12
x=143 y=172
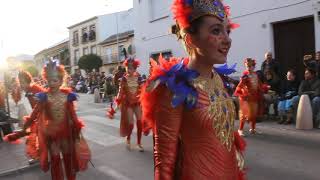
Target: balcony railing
x=112 y=58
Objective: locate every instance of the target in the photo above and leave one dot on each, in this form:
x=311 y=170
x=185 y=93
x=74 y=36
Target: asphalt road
x=279 y=153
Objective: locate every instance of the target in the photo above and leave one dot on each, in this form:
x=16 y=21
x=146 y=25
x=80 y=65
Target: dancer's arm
x=167 y=127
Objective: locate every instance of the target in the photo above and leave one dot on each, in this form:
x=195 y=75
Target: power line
x=271 y=9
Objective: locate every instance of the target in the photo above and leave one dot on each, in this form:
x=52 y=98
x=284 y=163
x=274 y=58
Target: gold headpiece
x=186 y=11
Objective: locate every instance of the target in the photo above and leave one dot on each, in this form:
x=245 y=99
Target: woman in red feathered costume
x=128 y=100
x=2 y=96
x=30 y=88
x=250 y=91
x=58 y=127
x=186 y=104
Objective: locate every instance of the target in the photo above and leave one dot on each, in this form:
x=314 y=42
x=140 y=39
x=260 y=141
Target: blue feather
x=72 y=97
x=178 y=79
x=188 y=2
x=225 y=69
x=41 y=97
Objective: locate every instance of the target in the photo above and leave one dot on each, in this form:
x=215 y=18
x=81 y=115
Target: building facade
x=58 y=51
x=115 y=49
x=86 y=36
x=288 y=28
x=153 y=36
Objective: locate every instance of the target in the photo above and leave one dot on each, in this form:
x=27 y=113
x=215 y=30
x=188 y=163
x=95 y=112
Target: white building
x=153 y=20
x=288 y=28
x=86 y=35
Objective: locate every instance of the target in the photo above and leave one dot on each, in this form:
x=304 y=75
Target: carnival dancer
x=250 y=91
x=128 y=100
x=2 y=96
x=31 y=89
x=186 y=104
x=59 y=129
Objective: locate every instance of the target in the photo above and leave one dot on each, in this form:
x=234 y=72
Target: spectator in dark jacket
x=311 y=87
x=270 y=64
x=313 y=63
x=288 y=94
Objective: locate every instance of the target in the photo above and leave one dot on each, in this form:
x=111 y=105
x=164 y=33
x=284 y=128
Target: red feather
x=149 y=99
x=181 y=13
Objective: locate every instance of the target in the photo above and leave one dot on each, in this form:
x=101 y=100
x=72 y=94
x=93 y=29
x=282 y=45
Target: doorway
x=292 y=40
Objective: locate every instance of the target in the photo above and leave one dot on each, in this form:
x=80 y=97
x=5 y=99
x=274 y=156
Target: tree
x=90 y=62
x=32 y=70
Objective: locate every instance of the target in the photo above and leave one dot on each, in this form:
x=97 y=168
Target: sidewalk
x=13 y=159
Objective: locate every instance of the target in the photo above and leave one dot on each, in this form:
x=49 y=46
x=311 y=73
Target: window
x=75 y=38
x=93 y=50
x=92 y=33
x=84 y=35
x=122 y=52
x=165 y=54
x=108 y=55
x=76 y=56
x=158 y=9
x=85 y=51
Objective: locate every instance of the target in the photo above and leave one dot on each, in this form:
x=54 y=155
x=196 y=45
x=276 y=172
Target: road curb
x=18 y=170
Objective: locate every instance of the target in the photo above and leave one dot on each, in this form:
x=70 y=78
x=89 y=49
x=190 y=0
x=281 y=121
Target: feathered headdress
x=250 y=62
x=131 y=62
x=24 y=76
x=186 y=11
x=53 y=69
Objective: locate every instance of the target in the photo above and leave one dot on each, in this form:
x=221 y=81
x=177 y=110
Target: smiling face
x=211 y=40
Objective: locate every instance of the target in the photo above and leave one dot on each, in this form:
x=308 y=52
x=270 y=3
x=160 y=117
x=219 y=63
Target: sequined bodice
x=254 y=81
x=132 y=84
x=57 y=103
x=207 y=133
x=220 y=108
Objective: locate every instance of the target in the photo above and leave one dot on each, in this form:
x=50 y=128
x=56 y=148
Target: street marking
x=113 y=173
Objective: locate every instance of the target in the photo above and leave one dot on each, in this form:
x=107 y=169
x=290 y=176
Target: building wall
x=81 y=45
x=252 y=39
x=152 y=32
x=106 y=25
x=114 y=53
x=51 y=52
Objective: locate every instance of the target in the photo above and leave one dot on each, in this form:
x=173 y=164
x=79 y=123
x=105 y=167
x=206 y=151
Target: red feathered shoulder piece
x=35 y=88
x=150 y=93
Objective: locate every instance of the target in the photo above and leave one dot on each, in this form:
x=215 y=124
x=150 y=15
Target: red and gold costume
x=128 y=100
x=59 y=129
x=192 y=119
x=250 y=91
x=2 y=96
x=31 y=89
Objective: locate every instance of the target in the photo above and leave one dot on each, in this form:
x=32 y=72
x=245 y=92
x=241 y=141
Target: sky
x=29 y=26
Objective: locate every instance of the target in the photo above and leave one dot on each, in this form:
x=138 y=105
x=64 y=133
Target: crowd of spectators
x=284 y=93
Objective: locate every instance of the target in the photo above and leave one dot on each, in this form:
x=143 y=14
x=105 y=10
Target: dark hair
x=192 y=29
x=311 y=70
x=294 y=72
